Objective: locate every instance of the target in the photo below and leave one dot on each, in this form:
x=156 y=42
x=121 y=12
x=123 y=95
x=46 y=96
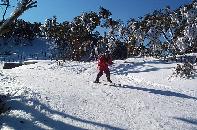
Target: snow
x=145 y=96
x=39 y=48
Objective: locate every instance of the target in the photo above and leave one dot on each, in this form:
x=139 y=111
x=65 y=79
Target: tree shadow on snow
x=38 y=115
x=159 y=92
x=132 y=67
x=187 y=120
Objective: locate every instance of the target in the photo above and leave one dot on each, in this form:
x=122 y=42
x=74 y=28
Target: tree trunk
x=18 y=12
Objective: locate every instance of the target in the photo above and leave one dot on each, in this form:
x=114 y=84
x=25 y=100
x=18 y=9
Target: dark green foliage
x=156 y=34
x=186 y=70
x=22 y=32
x=104 y=13
x=3 y=105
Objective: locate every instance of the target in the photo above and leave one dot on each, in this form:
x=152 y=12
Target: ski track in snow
x=47 y=96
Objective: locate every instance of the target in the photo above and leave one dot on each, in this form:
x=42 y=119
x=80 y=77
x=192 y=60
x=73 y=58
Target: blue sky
x=121 y=9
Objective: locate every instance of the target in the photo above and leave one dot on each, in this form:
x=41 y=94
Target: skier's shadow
x=158 y=92
x=38 y=115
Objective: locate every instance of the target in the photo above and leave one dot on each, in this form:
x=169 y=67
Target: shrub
x=3 y=106
x=185 y=70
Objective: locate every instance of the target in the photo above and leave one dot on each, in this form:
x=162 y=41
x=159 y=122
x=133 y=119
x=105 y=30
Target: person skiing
x=103 y=62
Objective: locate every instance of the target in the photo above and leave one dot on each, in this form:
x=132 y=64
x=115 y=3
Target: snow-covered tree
x=187 y=42
x=170 y=31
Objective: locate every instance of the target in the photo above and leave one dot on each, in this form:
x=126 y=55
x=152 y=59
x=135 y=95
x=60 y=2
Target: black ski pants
x=107 y=72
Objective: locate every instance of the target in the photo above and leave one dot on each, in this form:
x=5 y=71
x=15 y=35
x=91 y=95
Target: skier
x=103 y=62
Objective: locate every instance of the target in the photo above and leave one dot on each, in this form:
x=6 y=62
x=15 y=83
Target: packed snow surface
x=144 y=96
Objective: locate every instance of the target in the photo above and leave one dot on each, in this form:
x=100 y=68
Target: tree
x=171 y=31
x=187 y=40
x=7 y=4
x=72 y=37
x=22 y=6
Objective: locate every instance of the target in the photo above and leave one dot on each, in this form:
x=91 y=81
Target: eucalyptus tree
x=81 y=33
x=115 y=34
x=187 y=38
x=21 y=7
x=136 y=31
x=172 y=31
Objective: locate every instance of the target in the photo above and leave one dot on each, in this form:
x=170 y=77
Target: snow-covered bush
x=185 y=70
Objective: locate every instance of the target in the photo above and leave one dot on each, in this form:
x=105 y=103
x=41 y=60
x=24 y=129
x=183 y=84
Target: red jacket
x=104 y=62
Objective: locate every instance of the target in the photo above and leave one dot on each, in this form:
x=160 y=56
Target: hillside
x=144 y=96
x=40 y=48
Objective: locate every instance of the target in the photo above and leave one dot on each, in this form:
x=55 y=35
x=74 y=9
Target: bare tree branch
x=23 y=6
x=5 y=3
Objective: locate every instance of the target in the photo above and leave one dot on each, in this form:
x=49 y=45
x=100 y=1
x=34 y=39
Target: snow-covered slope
x=144 y=97
x=40 y=48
